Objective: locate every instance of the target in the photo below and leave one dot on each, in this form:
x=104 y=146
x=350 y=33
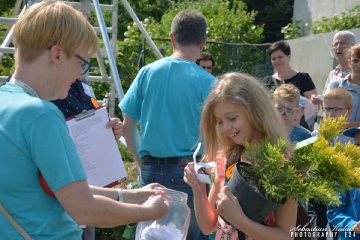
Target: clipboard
x=97 y=148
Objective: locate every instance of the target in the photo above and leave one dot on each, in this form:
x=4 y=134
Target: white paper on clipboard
x=97 y=148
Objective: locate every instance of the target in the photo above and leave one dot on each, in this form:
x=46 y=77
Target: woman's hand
x=157 y=206
x=117 y=127
x=190 y=177
x=144 y=193
x=316 y=99
x=229 y=207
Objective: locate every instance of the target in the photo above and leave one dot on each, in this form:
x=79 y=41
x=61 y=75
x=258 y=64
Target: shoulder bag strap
x=275 y=81
x=15 y=224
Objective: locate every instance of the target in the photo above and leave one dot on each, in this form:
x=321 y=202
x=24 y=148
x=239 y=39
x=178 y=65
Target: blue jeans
x=171 y=176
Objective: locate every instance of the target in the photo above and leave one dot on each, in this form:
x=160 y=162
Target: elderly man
x=342 y=41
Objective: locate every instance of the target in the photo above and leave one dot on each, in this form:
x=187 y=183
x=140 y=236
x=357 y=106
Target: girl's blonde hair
x=245 y=90
x=51 y=23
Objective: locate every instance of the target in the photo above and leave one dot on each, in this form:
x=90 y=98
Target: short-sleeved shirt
x=355 y=93
x=299 y=134
x=34 y=138
x=167 y=97
x=300 y=80
x=334 y=75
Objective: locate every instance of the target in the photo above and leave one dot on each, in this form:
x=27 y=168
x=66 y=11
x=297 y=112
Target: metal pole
x=8 y=38
x=114 y=71
x=142 y=29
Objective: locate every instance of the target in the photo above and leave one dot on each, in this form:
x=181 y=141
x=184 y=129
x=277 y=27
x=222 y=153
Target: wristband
x=120 y=194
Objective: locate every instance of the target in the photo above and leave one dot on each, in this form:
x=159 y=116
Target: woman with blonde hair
x=237 y=110
x=53 y=43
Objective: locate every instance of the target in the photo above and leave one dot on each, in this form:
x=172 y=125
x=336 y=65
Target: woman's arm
x=285 y=218
x=134 y=196
x=99 y=211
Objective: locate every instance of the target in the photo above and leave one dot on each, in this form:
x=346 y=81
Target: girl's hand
x=228 y=206
x=190 y=177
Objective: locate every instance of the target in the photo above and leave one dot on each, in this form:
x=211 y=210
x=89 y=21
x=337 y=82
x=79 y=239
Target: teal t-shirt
x=167 y=97
x=34 y=137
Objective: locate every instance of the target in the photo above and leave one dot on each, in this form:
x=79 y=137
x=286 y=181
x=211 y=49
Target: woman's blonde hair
x=51 y=23
x=245 y=90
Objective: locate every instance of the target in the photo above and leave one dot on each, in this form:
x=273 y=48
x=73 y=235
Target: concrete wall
x=312 y=10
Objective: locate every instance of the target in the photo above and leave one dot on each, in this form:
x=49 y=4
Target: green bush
x=292 y=30
x=347 y=20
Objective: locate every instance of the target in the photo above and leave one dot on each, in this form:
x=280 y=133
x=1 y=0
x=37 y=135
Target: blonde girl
x=237 y=110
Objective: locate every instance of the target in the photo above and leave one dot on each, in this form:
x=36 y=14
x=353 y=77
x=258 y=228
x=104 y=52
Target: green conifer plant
x=316 y=169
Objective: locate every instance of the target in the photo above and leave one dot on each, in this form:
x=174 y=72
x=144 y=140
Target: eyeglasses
x=85 y=65
x=333 y=109
x=205 y=67
x=287 y=110
x=339 y=44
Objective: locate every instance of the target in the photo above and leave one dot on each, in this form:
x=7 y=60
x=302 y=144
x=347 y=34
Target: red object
x=45 y=186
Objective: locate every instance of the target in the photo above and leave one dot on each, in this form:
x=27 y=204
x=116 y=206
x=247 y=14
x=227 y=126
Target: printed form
x=97 y=148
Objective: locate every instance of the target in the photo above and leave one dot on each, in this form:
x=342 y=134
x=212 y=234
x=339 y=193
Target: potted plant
x=315 y=170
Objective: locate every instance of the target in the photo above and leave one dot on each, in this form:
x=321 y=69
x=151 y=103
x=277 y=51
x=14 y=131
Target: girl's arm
x=206 y=214
x=285 y=218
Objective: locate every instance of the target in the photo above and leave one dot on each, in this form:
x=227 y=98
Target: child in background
x=237 y=110
x=337 y=102
x=286 y=99
x=347 y=214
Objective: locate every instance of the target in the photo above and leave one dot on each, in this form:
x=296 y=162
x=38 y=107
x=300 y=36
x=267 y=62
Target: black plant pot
x=255 y=206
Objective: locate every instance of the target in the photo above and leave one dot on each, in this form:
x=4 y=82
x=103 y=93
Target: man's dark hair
x=280 y=45
x=189 y=28
x=206 y=57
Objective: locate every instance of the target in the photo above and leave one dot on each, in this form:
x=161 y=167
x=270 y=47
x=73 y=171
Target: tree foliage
x=292 y=30
x=346 y=20
x=273 y=14
x=226 y=23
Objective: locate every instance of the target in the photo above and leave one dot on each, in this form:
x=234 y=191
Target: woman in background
x=280 y=55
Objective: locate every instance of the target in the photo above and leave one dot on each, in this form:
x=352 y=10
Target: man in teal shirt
x=167 y=97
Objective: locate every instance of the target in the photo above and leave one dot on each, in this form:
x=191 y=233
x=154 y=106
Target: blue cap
x=351 y=132
x=302 y=103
